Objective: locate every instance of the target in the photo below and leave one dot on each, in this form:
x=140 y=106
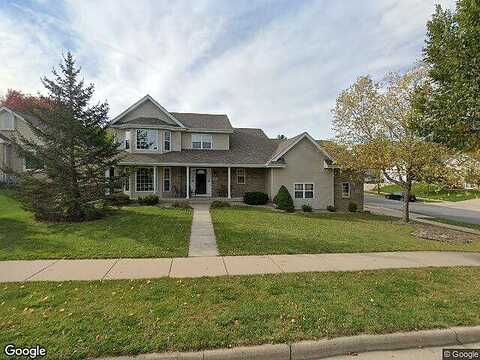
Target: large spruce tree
x=450 y=103
x=73 y=146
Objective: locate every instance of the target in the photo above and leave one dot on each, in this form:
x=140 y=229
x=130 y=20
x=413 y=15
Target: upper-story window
x=167 y=141
x=127 y=140
x=147 y=139
x=7 y=122
x=201 y=141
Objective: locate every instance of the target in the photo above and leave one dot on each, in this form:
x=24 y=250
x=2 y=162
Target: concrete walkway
x=62 y=270
x=202 y=238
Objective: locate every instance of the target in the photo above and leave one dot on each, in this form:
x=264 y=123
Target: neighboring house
x=190 y=155
x=12 y=125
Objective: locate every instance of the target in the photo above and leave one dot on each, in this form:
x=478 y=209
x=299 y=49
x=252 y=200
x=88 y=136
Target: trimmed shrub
x=220 y=204
x=283 y=200
x=255 y=198
x=118 y=199
x=181 y=205
x=331 y=208
x=306 y=208
x=352 y=207
x=148 y=200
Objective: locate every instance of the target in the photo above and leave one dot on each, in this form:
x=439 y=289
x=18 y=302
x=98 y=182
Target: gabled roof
x=29 y=118
x=140 y=102
x=204 y=121
x=288 y=144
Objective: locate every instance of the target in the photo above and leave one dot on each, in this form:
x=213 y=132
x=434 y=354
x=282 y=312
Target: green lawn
x=250 y=231
x=74 y=320
x=131 y=232
x=434 y=192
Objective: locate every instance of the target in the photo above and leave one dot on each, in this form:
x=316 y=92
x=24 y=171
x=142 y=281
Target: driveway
x=466 y=211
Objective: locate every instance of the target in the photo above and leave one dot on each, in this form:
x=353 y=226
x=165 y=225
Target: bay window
x=240 y=176
x=167 y=175
x=147 y=139
x=145 y=179
x=167 y=140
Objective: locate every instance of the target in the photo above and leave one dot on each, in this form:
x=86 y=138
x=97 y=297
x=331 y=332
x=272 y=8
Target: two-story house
x=191 y=155
x=187 y=155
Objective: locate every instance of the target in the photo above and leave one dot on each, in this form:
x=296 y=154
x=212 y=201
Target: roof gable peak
x=140 y=102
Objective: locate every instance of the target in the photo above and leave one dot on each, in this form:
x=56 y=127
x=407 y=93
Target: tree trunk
x=407 y=190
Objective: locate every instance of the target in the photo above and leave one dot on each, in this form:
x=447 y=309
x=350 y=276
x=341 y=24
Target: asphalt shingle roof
x=203 y=121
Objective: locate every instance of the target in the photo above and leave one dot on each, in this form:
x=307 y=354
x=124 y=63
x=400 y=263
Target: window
x=167 y=140
x=145 y=179
x=240 y=176
x=346 y=190
x=127 y=139
x=166 y=179
x=201 y=141
x=31 y=163
x=126 y=186
x=147 y=139
x=304 y=191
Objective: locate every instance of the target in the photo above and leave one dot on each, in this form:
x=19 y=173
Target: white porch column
x=188 y=182
x=155 y=185
x=229 y=183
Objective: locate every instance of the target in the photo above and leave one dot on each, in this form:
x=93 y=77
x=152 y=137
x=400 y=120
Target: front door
x=201 y=181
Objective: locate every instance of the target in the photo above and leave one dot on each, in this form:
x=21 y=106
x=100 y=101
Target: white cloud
x=280 y=73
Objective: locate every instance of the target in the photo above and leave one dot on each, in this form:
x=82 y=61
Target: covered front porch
x=194 y=182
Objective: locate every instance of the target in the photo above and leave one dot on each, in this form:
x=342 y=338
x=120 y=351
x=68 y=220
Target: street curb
x=311 y=350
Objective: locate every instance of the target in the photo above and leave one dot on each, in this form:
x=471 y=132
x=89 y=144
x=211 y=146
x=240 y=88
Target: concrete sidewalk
x=202 y=237
x=100 y=269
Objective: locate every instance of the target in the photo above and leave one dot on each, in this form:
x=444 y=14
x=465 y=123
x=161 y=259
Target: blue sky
x=274 y=64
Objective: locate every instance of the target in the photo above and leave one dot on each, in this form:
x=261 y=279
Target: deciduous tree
x=373 y=122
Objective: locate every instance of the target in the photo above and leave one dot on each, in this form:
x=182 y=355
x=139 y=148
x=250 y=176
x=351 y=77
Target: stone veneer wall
x=254 y=181
x=356 y=190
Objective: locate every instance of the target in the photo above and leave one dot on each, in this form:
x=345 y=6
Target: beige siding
x=6 y=121
x=305 y=164
x=220 y=141
x=149 y=110
x=176 y=141
x=12 y=159
x=23 y=128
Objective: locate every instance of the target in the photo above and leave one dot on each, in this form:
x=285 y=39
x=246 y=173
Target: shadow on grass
x=125 y=233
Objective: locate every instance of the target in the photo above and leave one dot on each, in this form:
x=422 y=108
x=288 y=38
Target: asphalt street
x=430 y=209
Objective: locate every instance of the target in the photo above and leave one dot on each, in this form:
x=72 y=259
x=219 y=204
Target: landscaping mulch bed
x=442 y=234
